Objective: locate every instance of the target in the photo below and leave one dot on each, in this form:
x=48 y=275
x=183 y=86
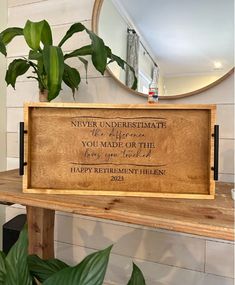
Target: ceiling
x=185 y=36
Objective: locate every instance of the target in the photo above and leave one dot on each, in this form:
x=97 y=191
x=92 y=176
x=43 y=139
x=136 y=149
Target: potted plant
x=48 y=61
x=19 y=268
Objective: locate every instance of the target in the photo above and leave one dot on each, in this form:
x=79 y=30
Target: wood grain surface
x=41 y=231
x=125 y=150
x=209 y=218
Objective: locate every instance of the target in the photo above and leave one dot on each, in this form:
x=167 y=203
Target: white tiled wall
x=164 y=257
x=219 y=258
x=57 y=12
x=160 y=247
x=119 y=270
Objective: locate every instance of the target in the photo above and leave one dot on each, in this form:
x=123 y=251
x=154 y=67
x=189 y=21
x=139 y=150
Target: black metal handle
x=21 y=139
x=216 y=152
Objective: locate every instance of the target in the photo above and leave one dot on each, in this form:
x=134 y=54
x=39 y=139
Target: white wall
x=165 y=257
x=188 y=82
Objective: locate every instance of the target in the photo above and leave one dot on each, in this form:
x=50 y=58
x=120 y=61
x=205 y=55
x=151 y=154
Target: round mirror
x=189 y=42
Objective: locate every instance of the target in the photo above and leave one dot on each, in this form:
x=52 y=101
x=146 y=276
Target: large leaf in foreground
x=16 y=68
x=16 y=262
x=137 y=277
x=54 y=66
x=2 y=268
x=91 y=271
x=43 y=269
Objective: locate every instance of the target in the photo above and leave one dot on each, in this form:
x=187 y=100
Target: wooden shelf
x=208 y=218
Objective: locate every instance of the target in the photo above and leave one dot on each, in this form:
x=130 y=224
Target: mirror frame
x=94 y=23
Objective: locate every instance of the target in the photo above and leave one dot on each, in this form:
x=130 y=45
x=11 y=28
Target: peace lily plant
x=19 y=268
x=48 y=61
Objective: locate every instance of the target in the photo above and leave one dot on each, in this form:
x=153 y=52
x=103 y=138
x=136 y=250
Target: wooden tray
x=124 y=150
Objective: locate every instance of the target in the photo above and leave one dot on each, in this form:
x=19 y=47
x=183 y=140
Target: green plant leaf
x=2 y=48
x=115 y=58
x=2 y=268
x=16 y=68
x=85 y=62
x=35 y=282
x=16 y=262
x=32 y=34
x=86 y=50
x=137 y=277
x=38 y=70
x=43 y=269
x=71 y=77
x=8 y=34
x=99 y=53
x=122 y=63
x=135 y=82
x=35 y=55
x=36 y=32
x=75 y=28
x=91 y=271
x=54 y=66
x=46 y=36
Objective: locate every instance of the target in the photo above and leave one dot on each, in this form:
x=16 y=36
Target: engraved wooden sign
x=124 y=150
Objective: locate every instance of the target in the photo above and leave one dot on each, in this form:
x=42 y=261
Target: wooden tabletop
x=209 y=218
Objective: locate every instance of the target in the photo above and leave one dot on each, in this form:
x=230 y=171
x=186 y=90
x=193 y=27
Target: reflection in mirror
x=190 y=42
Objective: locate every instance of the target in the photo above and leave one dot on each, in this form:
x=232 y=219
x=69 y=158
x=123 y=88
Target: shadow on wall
x=164 y=258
